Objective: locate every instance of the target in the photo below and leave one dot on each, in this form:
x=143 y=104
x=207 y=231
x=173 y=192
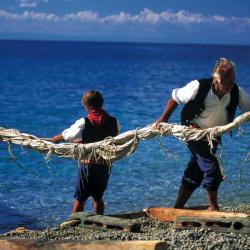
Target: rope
x=243 y=165
x=113 y=149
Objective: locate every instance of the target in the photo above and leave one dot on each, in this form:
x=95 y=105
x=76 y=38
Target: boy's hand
x=57 y=138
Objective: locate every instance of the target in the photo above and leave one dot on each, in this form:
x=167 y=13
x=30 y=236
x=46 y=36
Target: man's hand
x=159 y=120
x=57 y=138
x=77 y=141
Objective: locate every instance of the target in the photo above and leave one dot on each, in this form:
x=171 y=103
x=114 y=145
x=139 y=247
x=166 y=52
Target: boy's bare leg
x=183 y=196
x=212 y=200
x=78 y=206
x=98 y=206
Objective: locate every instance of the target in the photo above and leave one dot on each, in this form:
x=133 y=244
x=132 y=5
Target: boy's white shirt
x=75 y=130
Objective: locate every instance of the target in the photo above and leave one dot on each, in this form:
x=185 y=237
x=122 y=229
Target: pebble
x=151 y=230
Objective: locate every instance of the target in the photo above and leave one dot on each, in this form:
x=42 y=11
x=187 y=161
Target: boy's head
x=92 y=100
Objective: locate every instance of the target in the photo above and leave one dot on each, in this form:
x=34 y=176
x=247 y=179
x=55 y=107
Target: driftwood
x=170 y=214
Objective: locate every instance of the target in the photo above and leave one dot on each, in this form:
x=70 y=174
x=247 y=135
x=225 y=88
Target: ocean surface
x=41 y=85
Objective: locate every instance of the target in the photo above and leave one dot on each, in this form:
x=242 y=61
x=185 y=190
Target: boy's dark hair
x=93 y=99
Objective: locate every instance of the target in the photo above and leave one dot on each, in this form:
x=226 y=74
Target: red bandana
x=97 y=117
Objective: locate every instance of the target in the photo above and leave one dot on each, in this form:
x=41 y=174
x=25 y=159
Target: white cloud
x=145 y=25
x=150 y=17
x=26 y=4
x=41 y=16
x=30 y=3
x=120 y=18
x=187 y=17
x=219 y=18
x=27 y=15
x=83 y=16
x=146 y=16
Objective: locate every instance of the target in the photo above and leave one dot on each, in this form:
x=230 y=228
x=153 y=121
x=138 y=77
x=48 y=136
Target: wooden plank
x=105 y=222
x=201 y=207
x=21 y=244
x=170 y=214
x=232 y=224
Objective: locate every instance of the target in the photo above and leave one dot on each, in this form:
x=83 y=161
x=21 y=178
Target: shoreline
x=150 y=230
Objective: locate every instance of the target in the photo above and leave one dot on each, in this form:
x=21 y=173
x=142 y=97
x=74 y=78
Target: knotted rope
x=113 y=149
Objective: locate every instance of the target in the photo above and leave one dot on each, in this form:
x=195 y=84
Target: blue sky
x=181 y=21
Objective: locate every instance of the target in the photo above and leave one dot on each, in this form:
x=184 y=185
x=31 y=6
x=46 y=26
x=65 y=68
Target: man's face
x=224 y=84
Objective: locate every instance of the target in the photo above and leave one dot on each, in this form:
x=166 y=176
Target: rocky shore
x=149 y=230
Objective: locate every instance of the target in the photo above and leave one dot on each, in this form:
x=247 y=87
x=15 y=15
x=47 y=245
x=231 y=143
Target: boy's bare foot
x=213 y=209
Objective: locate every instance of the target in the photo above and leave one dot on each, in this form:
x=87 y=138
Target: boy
x=92 y=179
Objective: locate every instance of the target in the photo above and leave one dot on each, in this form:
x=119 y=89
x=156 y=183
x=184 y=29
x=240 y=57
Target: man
x=93 y=176
x=207 y=103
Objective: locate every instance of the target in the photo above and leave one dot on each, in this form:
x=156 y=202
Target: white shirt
x=75 y=130
x=215 y=113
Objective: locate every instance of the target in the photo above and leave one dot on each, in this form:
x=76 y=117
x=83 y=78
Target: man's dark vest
x=194 y=108
x=92 y=134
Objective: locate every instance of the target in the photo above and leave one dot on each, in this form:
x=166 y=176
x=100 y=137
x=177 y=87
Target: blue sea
x=41 y=85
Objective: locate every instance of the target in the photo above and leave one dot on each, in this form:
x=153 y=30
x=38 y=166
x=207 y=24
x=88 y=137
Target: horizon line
x=107 y=41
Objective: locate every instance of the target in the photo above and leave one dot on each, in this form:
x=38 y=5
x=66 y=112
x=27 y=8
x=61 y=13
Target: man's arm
x=169 y=109
x=244 y=100
x=118 y=127
x=179 y=96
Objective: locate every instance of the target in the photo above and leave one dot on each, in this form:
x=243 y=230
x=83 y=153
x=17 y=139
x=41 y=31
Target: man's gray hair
x=223 y=66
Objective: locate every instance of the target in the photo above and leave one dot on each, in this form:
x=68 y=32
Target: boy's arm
x=72 y=133
x=57 y=138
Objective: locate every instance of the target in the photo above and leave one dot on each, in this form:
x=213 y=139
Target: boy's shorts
x=92 y=180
